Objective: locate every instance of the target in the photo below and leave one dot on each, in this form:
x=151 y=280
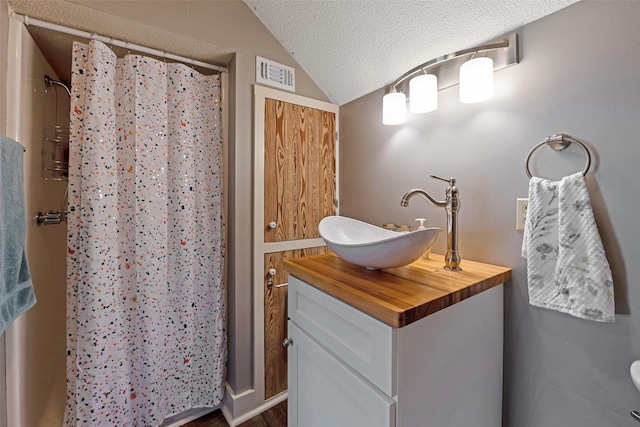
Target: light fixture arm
x=502 y=44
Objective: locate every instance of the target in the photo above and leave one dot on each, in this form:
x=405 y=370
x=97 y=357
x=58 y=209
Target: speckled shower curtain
x=145 y=290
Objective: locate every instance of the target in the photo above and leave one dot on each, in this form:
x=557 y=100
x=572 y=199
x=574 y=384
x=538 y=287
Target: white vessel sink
x=635 y=373
x=373 y=247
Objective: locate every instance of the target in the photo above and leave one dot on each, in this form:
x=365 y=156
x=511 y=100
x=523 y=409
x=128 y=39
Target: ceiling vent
x=273 y=74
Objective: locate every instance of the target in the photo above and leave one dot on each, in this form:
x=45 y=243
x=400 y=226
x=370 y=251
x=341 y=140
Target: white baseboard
x=236 y=405
x=241 y=407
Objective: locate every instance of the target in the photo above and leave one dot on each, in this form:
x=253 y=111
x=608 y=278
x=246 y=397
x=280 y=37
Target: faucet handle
x=451 y=181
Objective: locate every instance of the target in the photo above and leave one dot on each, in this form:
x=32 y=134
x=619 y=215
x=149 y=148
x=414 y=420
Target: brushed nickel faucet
x=452 y=206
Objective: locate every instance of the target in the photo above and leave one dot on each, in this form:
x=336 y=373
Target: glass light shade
x=394 y=108
x=423 y=91
x=476 y=80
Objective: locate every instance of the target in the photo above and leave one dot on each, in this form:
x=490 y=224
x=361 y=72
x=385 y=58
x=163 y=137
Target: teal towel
x=16 y=289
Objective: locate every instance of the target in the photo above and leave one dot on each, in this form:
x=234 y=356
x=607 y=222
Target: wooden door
x=299 y=170
x=275 y=318
x=299 y=190
x=295 y=186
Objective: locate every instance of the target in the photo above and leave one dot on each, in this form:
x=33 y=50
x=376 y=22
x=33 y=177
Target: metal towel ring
x=559 y=142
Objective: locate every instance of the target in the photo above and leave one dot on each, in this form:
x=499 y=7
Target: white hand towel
x=567 y=269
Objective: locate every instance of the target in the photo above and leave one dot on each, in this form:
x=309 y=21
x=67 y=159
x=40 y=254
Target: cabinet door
x=357 y=339
x=324 y=392
x=275 y=318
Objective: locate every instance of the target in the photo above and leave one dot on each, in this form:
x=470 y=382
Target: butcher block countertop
x=397 y=296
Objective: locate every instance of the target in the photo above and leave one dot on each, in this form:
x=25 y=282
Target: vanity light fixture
x=476 y=80
x=424 y=93
x=474 y=73
x=394 y=108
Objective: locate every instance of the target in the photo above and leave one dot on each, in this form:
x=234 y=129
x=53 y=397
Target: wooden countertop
x=397 y=296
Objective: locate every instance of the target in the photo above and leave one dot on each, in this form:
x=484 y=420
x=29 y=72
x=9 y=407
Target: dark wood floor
x=272 y=417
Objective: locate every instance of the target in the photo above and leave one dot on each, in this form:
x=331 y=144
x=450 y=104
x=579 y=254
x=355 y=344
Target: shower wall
x=4 y=34
x=35 y=342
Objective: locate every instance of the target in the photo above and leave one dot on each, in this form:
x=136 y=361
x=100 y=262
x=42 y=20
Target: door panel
x=275 y=318
x=299 y=170
x=327 y=168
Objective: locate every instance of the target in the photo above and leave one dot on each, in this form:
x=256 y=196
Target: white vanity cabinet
x=347 y=368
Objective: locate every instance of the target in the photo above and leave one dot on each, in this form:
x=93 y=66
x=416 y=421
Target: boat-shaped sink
x=635 y=373
x=374 y=247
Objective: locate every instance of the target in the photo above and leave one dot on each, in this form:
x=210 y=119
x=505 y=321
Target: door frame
x=260 y=247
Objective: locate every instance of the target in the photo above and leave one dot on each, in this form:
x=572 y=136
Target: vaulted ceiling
x=353 y=47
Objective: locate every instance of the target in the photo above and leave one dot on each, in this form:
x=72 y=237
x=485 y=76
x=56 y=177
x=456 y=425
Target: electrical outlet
x=521 y=213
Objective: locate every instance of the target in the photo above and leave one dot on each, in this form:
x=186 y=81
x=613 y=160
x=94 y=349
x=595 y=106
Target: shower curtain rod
x=110 y=40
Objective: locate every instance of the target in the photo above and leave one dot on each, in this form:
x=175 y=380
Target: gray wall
x=579 y=74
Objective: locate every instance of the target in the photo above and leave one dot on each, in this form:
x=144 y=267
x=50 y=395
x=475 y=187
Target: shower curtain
x=145 y=290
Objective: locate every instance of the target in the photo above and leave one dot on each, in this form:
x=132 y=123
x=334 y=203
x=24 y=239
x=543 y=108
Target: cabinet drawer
x=362 y=342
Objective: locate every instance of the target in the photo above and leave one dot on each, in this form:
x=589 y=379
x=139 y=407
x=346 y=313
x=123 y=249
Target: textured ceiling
x=354 y=47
